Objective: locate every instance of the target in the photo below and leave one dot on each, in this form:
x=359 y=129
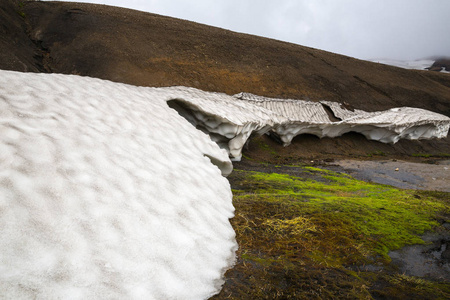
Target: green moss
x=264 y=146
x=386 y=218
x=306 y=237
x=246 y=157
x=20 y=10
x=400 y=286
x=427 y=155
x=376 y=153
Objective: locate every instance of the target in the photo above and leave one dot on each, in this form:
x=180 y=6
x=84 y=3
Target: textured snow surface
x=331 y=119
x=107 y=193
x=232 y=120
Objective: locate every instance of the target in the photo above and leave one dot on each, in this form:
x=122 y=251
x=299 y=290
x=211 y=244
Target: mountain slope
x=17 y=51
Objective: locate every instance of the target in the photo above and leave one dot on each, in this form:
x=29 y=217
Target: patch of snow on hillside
x=107 y=193
x=421 y=64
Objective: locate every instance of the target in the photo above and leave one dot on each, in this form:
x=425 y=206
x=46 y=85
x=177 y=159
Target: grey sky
x=366 y=29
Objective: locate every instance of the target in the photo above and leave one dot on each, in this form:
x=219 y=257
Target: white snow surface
x=114 y=191
x=107 y=193
x=232 y=120
x=419 y=64
x=289 y=118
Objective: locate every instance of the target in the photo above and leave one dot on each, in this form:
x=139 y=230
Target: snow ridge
x=286 y=118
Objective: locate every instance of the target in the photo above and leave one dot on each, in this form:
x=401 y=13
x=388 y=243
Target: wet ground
x=412 y=268
x=431 y=260
x=402 y=174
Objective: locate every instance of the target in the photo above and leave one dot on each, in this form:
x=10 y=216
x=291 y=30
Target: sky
x=365 y=29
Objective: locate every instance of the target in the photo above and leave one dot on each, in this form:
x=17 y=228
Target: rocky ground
x=441 y=64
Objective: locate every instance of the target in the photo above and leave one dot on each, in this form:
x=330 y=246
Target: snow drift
x=114 y=191
x=232 y=120
x=107 y=193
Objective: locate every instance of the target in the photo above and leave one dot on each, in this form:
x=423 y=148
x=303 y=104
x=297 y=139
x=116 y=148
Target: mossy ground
x=323 y=235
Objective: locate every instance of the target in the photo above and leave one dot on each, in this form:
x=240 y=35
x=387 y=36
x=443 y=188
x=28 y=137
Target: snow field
x=106 y=192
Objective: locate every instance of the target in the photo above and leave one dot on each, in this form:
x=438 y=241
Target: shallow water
x=431 y=260
x=401 y=174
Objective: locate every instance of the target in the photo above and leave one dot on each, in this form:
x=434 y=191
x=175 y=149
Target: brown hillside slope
x=147 y=49
x=151 y=50
x=17 y=52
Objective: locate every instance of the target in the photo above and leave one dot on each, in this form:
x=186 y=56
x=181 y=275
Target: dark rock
x=440 y=64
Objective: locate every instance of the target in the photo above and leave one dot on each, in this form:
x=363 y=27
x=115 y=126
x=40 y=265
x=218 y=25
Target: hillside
x=151 y=50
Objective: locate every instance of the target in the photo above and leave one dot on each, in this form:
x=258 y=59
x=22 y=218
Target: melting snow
x=420 y=64
x=232 y=120
x=108 y=192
